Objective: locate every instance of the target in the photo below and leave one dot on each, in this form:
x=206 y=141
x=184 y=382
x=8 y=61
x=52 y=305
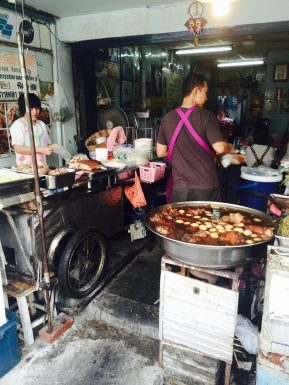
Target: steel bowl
x=282 y=241
x=211 y=256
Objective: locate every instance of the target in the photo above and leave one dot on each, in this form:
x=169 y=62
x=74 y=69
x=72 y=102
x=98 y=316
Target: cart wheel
x=82 y=263
x=57 y=246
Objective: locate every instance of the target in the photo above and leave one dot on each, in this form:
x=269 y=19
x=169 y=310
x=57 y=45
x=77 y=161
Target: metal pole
x=38 y=195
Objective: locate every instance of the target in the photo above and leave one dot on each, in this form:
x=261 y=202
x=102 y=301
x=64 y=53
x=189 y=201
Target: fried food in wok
x=202 y=225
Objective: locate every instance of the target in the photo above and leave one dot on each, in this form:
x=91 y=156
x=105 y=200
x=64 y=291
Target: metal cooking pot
x=210 y=256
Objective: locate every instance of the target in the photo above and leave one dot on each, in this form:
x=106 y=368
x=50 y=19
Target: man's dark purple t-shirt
x=192 y=166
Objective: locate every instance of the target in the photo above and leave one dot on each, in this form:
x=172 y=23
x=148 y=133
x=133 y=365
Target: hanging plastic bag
x=60 y=109
x=247 y=334
x=135 y=193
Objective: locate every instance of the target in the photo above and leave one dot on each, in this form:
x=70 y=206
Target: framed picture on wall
x=281 y=72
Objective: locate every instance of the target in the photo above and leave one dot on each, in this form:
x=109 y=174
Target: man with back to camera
x=189 y=136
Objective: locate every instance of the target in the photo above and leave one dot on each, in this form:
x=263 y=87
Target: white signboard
x=278 y=297
x=11 y=82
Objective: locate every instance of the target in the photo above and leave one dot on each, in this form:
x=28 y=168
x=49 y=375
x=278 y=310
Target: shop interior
x=144 y=82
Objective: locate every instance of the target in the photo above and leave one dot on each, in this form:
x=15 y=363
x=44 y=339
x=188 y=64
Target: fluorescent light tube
x=203 y=50
x=241 y=63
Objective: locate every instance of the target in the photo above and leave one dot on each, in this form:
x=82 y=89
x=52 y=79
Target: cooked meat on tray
x=85 y=164
x=28 y=169
x=42 y=170
x=58 y=171
x=202 y=226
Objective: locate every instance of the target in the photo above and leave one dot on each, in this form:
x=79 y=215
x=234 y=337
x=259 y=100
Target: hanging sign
x=196 y=22
x=11 y=83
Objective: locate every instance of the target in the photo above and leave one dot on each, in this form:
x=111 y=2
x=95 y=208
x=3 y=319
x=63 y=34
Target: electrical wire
x=49 y=29
x=54 y=34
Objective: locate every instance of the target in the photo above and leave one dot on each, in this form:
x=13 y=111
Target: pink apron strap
x=169 y=187
x=177 y=131
x=195 y=135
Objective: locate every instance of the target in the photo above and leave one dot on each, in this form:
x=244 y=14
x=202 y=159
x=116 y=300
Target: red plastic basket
x=152 y=171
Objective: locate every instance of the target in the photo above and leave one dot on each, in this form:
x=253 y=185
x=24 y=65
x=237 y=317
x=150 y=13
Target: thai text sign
x=11 y=82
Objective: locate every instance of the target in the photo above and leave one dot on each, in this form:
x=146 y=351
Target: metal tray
x=51 y=182
x=102 y=179
x=282 y=200
x=17 y=185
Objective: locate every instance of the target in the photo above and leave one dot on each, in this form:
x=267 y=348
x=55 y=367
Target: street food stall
x=78 y=218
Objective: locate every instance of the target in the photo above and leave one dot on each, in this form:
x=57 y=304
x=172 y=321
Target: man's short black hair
x=33 y=100
x=191 y=81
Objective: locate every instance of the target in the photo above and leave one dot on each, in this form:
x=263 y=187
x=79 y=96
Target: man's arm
x=162 y=150
x=222 y=148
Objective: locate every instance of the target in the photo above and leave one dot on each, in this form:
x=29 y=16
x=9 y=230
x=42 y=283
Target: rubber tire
x=68 y=254
x=55 y=255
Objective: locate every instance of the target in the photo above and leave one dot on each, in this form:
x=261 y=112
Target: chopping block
x=60 y=325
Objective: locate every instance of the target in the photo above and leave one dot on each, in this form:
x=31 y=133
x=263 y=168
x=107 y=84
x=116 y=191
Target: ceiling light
x=241 y=63
x=203 y=50
x=221 y=8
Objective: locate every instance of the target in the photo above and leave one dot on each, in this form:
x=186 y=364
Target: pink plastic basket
x=152 y=171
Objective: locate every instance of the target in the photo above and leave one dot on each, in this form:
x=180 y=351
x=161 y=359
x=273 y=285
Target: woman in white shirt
x=20 y=134
x=260 y=153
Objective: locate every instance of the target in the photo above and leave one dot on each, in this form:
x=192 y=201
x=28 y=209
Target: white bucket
x=143 y=143
x=101 y=154
x=142 y=156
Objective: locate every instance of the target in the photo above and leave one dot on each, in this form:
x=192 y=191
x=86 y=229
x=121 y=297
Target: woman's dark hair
x=261 y=134
x=191 y=81
x=33 y=100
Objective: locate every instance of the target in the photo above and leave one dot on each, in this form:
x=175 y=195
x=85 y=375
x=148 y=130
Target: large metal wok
x=218 y=257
